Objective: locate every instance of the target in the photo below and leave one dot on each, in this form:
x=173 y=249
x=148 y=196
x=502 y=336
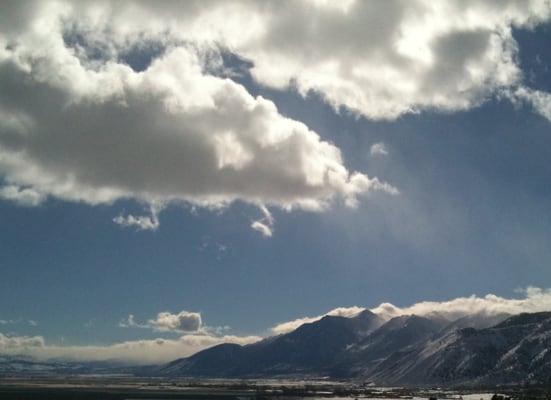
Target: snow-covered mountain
x=515 y=351
x=406 y=350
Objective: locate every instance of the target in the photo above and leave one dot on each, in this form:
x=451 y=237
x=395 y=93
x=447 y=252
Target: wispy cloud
x=378 y=149
x=140 y=222
x=29 y=322
x=539 y=100
x=22 y=196
x=264 y=225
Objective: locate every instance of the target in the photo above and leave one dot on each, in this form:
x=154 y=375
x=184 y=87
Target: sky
x=180 y=174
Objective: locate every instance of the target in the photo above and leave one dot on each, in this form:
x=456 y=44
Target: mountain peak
x=525 y=318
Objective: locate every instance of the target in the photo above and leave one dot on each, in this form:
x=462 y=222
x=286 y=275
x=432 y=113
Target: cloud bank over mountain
x=534 y=300
x=289 y=326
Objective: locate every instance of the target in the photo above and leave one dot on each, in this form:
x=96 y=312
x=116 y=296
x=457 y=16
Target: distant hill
x=18 y=365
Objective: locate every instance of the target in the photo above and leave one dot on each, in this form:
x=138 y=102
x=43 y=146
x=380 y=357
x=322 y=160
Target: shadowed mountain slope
x=310 y=349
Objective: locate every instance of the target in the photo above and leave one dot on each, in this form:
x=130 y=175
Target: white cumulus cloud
x=94 y=130
x=165 y=321
x=183 y=321
x=382 y=59
x=79 y=124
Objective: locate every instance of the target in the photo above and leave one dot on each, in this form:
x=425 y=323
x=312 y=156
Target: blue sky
x=473 y=214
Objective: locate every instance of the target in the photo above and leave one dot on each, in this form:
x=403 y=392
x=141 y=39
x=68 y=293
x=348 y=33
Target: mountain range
x=477 y=350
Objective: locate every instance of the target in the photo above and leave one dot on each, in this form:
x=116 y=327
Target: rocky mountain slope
x=310 y=349
x=517 y=350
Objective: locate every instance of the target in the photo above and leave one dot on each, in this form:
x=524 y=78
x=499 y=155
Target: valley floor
x=130 y=388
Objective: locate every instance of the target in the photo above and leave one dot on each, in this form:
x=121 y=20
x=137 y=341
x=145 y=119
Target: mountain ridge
x=407 y=350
